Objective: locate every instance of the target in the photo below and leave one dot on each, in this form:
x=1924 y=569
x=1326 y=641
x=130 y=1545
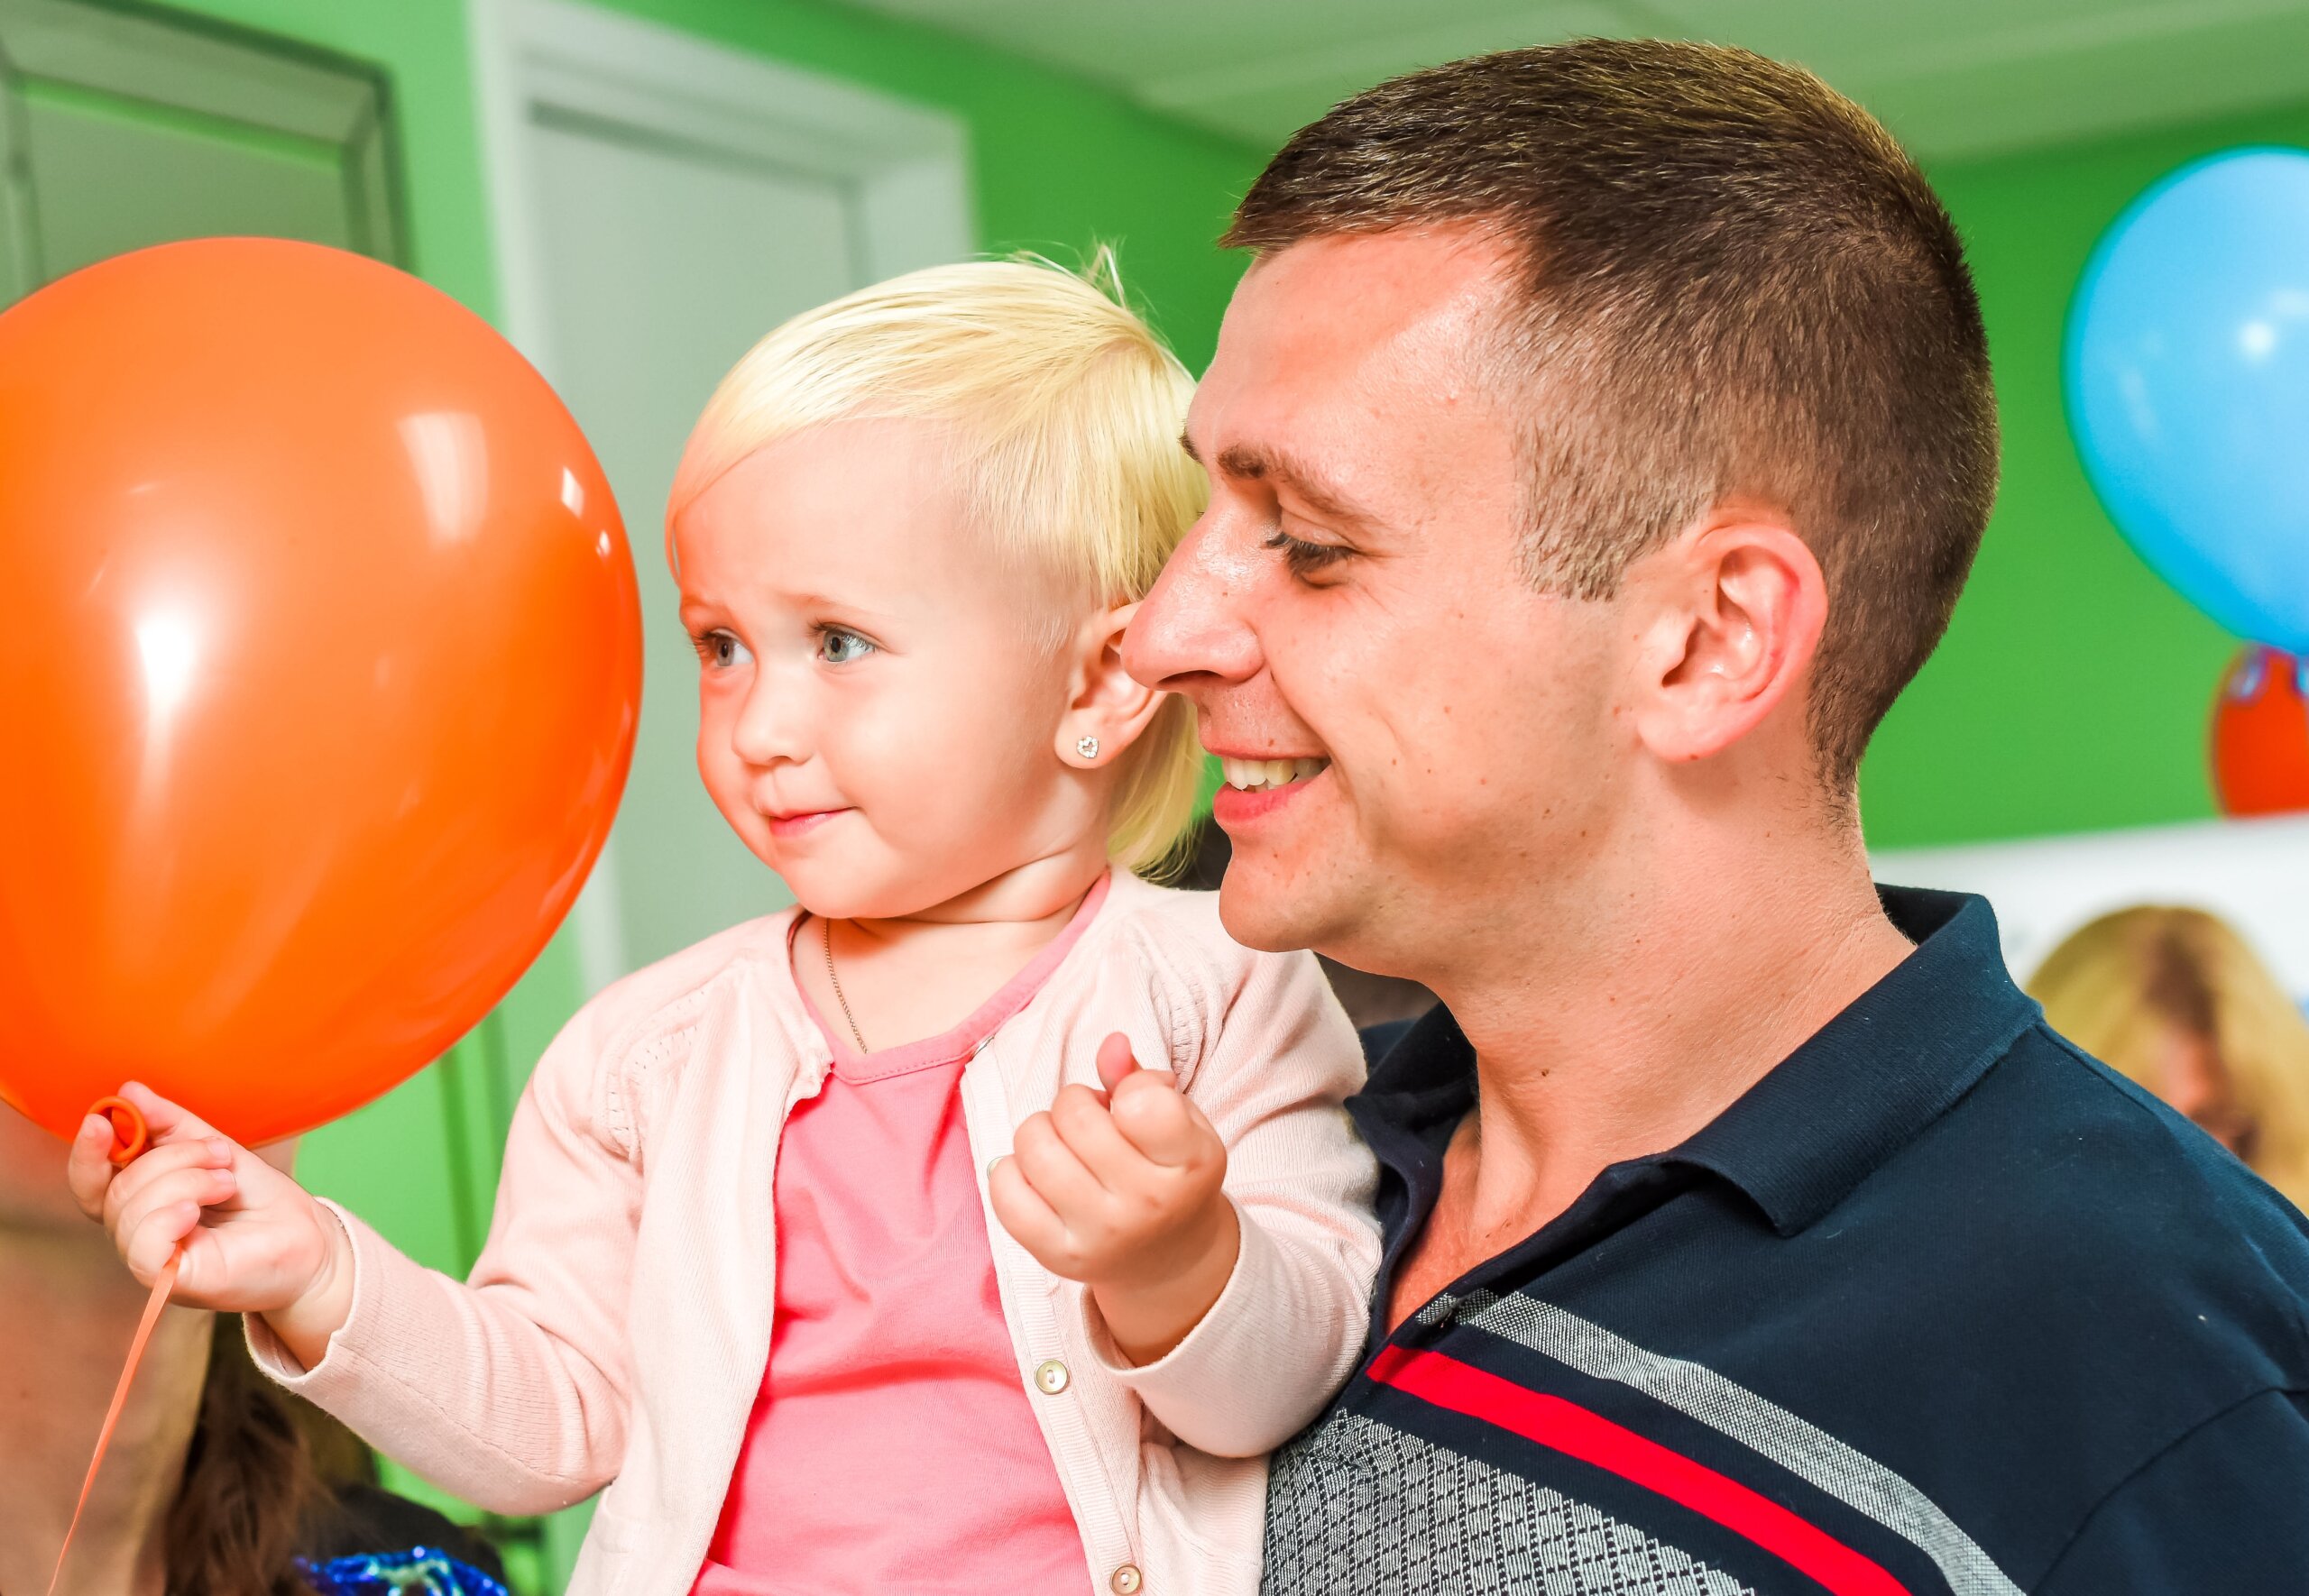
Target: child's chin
x=829 y=893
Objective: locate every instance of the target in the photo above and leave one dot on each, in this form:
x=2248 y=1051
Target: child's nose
x=769 y=728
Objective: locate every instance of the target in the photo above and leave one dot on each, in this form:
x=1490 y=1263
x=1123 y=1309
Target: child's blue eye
x=721 y=650
x=836 y=646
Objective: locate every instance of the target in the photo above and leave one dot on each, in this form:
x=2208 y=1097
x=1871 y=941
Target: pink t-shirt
x=892 y=1447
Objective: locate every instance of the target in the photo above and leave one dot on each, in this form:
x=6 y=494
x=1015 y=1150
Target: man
x=1598 y=443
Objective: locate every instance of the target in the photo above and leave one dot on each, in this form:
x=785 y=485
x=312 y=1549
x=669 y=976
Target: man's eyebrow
x=1186 y=442
x=1289 y=471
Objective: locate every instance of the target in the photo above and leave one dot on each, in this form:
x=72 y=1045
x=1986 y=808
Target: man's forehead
x=1339 y=318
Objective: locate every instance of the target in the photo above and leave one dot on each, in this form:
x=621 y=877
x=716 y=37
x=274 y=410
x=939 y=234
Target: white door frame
x=908 y=165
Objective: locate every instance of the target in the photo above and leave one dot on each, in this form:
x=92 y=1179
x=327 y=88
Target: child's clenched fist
x=253 y=1240
x=1120 y=1189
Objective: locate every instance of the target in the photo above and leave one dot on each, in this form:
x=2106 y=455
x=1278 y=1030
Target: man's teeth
x=1257 y=775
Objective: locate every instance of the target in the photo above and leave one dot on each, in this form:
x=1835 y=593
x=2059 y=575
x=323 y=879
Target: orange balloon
x=322 y=658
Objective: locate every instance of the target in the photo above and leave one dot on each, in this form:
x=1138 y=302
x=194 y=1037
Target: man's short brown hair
x=1735 y=284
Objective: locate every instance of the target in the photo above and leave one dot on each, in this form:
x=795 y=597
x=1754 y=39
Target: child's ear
x=1107 y=709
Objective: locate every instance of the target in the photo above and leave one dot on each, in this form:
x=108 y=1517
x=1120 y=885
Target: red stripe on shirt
x=1577 y=1432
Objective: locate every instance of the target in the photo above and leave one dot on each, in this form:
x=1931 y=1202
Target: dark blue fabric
x=1380 y=1040
x=1937 y=1234
x=2229 y=1477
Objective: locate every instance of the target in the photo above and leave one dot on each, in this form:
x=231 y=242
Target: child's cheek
x=728 y=782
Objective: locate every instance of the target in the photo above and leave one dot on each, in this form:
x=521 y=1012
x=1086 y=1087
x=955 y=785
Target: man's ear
x=1735 y=607
x=1106 y=707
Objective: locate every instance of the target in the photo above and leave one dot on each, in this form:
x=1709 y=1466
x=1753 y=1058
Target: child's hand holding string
x=254 y=1241
x=1120 y=1189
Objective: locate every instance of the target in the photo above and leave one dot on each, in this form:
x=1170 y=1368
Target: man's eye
x=1305 y=558
x=836 y=646
x=721 y=650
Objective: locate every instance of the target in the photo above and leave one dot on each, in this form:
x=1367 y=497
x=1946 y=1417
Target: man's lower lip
x=1233 y=806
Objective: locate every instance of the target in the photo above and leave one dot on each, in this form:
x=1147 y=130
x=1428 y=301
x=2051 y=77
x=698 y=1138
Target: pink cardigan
x=615 y=1330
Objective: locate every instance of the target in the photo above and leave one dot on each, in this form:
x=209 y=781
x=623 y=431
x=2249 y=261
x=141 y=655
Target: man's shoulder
x=2044 y=1293
x=2051 y=1287
x=2065 y=1227
x=2055 y=1145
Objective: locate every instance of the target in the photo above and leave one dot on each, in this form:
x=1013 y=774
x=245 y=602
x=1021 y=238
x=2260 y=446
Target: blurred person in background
x=2176 y=1000
x=218 y=1484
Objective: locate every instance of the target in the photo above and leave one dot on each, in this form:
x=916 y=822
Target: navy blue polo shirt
x=1940 y=1305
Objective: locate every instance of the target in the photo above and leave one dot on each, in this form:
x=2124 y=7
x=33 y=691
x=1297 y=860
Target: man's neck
x=1623 y=1027
x=66 y=1311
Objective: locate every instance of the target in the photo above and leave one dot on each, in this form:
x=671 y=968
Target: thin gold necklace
x=856 y=1035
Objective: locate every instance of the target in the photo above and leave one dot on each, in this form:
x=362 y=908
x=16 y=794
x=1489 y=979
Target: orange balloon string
x=132 y=1138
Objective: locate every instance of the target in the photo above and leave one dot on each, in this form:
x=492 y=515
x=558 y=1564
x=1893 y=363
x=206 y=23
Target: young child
x=974 y=1226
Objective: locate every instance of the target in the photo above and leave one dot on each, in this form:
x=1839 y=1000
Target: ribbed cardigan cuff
x=1212 y=1390
x=333 y=1381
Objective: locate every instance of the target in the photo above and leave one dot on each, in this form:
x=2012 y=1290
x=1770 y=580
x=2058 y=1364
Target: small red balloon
x=322 y=656
x=2260 y=734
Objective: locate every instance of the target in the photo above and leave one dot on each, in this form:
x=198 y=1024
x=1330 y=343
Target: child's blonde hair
x=1066 y=410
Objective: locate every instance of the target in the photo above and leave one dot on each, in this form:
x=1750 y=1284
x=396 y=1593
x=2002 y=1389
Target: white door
x=663 y=205
x=666 y=267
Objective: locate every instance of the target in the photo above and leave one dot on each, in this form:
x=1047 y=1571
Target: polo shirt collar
x=1826 y=1116
x=1869 y=1081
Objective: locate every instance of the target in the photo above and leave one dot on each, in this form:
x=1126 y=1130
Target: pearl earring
x=1088 y=746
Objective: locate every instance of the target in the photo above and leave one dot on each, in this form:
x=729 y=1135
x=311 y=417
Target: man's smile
x=1257 y=787
x=1259 y=776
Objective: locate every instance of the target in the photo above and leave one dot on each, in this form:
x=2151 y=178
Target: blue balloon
x=2187 y=373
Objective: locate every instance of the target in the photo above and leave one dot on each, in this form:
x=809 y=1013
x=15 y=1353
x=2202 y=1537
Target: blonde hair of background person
x=1065 y=411
x=2176 y=1000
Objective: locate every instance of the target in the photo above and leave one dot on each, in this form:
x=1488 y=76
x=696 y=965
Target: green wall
x=2073 y=691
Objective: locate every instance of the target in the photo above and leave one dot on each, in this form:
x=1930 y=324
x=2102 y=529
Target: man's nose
x=1194 y=628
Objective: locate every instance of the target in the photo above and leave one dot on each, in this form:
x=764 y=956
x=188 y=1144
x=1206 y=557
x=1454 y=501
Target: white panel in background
x=665 y=268
x=2254 y=874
